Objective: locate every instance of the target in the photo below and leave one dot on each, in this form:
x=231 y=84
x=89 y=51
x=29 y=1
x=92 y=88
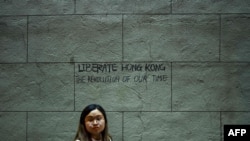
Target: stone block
x=36 y=87
x=115 y=125
x=235 y=38
x=13 y=39
x=172 y=126
x=171 y=38
x=75 y=38
x=52 y=126
x=13 y=126
x=211 y=87
x=122 y=6
x=124 y=87
x=34 y=7
x=240 y=118
x=211 y=6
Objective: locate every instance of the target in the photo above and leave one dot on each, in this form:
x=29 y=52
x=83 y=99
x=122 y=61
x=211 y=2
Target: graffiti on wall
x=120 y=72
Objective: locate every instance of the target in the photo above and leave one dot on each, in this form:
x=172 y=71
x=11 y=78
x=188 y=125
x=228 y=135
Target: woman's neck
x=96 y=137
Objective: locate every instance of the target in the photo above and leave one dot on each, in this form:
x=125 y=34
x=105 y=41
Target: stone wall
x=163 y=70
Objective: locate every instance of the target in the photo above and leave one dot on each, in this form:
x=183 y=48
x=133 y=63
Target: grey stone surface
x=34 y=7
x=140 y=93
x=171 y=38
x=211 y=87
x=115 y=123
x=36 y=87
x=13 y=39
x=80 y=38
x=13 y=126
x=172 y=126
x=203 y=45
x=52 y=126
x=235 y=39
x=235 y=118
x=211 y=6
x=123 y=6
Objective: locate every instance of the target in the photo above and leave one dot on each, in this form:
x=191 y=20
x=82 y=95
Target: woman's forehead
x=94 y=113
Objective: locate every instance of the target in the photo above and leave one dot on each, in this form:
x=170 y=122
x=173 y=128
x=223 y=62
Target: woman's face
x=95 y=122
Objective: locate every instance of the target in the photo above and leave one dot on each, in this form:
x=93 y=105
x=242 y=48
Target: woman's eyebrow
x=94 y=116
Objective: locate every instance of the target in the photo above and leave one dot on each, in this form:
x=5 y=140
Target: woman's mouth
x=95 y=127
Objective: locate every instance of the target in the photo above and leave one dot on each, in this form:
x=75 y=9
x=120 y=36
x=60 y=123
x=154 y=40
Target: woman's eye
x=91 y=119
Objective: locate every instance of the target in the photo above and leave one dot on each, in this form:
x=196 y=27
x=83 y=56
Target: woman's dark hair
x=82 y=133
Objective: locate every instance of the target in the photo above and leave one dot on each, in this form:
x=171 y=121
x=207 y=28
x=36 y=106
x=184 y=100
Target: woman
x=93 y=125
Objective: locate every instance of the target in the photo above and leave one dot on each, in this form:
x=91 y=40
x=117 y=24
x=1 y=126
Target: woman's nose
x=95 y=121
